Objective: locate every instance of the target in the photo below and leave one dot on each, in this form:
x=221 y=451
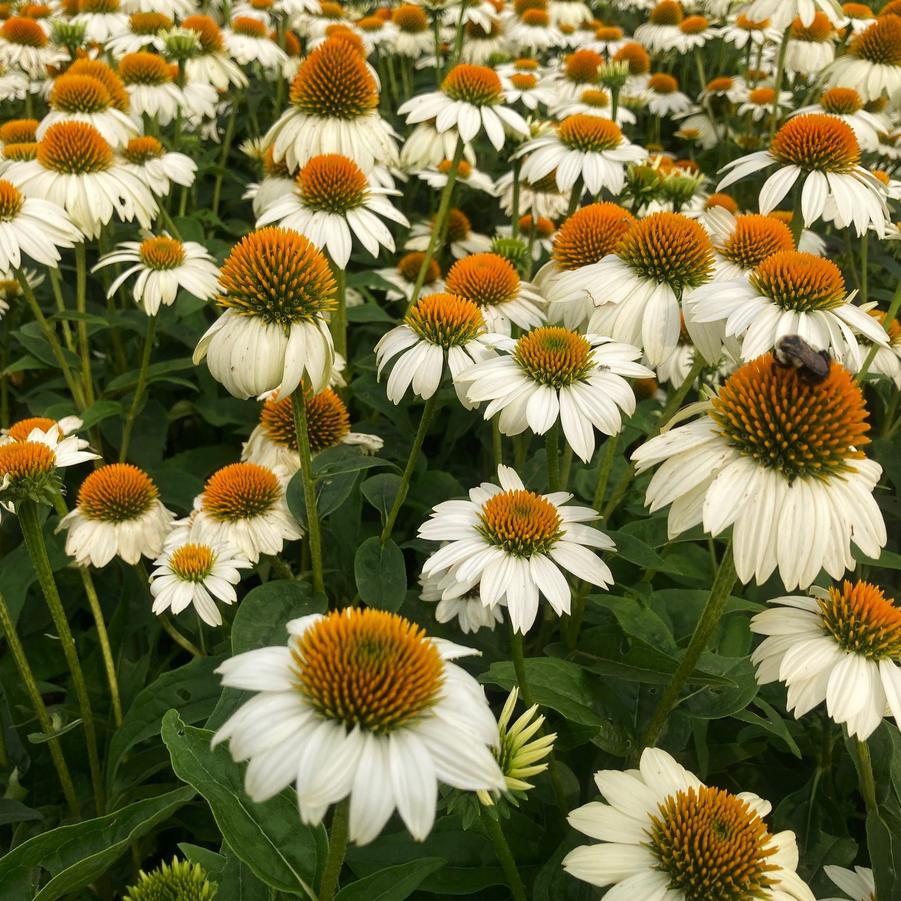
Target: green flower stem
x=81 y=305
x=309 y=489
x=604 y=470
x=866 y=780
x=440 y=222
x=57 y=285
x=337 y=847
x=887 y=320
x=864 y=262
x=436 y=31
x=575 y=197
x=709 y=620
x=514 y=212
x=102 y=635
x=53 y=341
x=674 y=401
x=227 y=139
x=425 y=420
x=497 y=444
x=181 y=640
x=797 y=220
x=552 y=450
x=780 y=72
x=519 y=666
x=339 y=316
x=34 y=540
x=491 y=822
x=40 y=709
x=458 y=37
x=139 y=388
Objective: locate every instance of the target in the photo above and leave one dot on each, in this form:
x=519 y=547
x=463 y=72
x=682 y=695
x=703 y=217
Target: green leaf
x=211 y=861
x=559 y=684
x=636 y=551
x=773 y=723
x=393 y=883
x=12 y=811
x=238 y=883
x=331 y=492
x=270 y=838
x=40 y=738
x=381 y=490
x=887 y=559
x=193 y=689
x=155 y=372
x=76 y=855
x=344 y=458
x=368 y=312
x=380 y=573
x=99 y=411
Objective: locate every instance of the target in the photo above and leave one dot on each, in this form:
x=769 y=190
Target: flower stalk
x=337 y=848
x=139 y=388
x=309 y=488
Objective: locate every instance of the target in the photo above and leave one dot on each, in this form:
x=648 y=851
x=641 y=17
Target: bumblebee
x=793 y=351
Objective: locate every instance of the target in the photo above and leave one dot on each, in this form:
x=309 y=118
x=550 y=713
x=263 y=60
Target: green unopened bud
x=680 y=186
x=613 y=75
x=67 y=34
x=180 y=43
x=178 y=881
x=512 y=249
x=519 y=754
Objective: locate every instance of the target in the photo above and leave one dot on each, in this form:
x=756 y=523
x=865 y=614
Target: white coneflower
x=789 y=293
x=823 y=153
x=151 y=86
x=848 y=105
x=858 y=884
x=76 y=168
x=782 y=12
x=695 y=32
x=458 y=235
x=758 y=104
x=468 y=176
x=492 y=283
x=25 y=48
x=163 y=265
x=247 y=41
x=211 y=65
x=665 y=835
x=637 y=289
x=101 y=19
x=361 y=703
x=583 y=146
x=191 y=573
x=540 y=198
x=273 y=443
x=244 y=504
x=32 y=227
x=470 y=100
x=887 y=360
x=426 y=146
x=276 y=289
x=20 y=430
x=584 y=239
x=334 y=202
x=774 y=455
x=118 y=514
x=145 y=32
x=413 y=35
x=515 y=544
x=553 y=374
x=334 y=109
x=872 y=63
x=468 y=611
x=438 y=329
x=664 y=96
x=159 y=168
x=402 y=277
x=530 y=32
x=81 y=98
x=810 y=47
x=842 y=646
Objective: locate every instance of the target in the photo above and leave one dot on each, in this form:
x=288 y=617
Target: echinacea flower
x=515 y=545
x=742 y=242
x=334 y=109
x=872 y=63
x=101 y=19
x=273 y=443
x=810 y=47
x=159 y=168
x=22 y=428
x=789 y=293
x=361 y=703
x=468 y=610
x=334 y=203
x=76 y=169
x=587 y=147
x=782 y=12
x=195 y=573
x=118 y=514
x=823 y=153
x=774 y=455
x=841 y=645
x=438 y=329
x=276 y=288
x=551 y=374
x=145 y=32
x=858 y=884
x=211 y=64
x=244 y=505
x=493 y=284
x=24 y=46
x=458 y=237
x=585 y=238
x=247 y=41
x=663 y=834
x=661 y=30
x=848 y=105
x=470 y=100
x=402 y=277
x=637 y=288
x=664 y=96
x=151 y=86
x=32 y=227
x=163 y=265
x=29 y=467
x=82 y=98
